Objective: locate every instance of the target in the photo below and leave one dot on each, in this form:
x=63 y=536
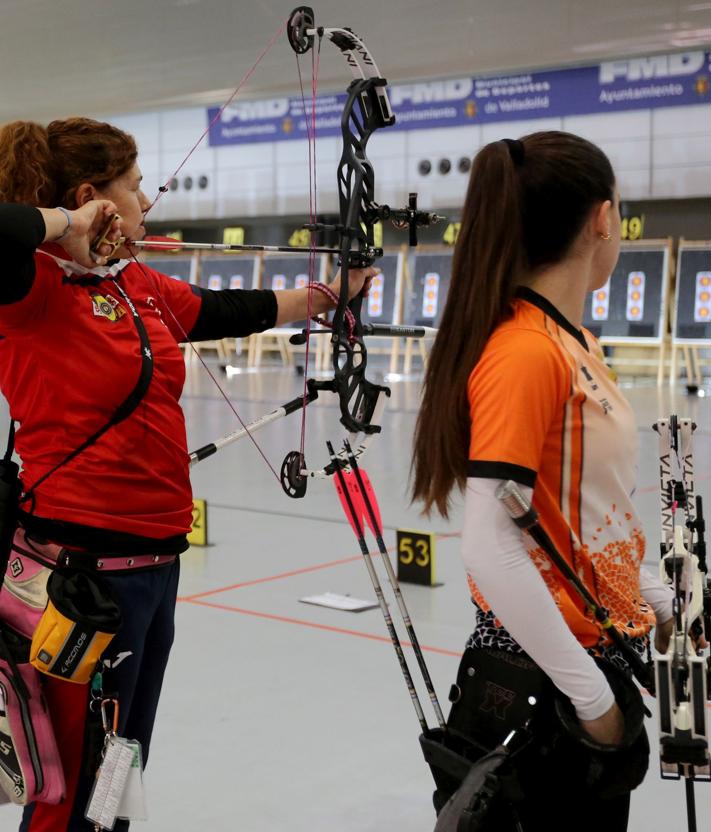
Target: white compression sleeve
x=658 y=595
x=495 y=556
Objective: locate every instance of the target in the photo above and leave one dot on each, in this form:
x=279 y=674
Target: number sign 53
x=416 y=557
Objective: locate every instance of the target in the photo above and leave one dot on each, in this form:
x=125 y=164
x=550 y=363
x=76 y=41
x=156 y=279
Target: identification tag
x=133 y=802
x=110 y=784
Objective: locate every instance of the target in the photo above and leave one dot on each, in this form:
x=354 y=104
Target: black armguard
x=233 y=313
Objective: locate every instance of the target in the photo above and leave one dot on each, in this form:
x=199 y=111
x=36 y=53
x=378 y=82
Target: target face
x=600 y=303
x=430 y=297
x=702 y=301
x=636 y=282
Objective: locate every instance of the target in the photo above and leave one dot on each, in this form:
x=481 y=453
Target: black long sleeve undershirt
x=22 y=229
x=233 y=313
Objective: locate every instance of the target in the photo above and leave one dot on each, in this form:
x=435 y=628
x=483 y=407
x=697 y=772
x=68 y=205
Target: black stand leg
x=690 y=804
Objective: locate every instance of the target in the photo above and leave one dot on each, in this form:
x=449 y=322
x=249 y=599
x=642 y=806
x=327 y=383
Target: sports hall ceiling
x=86 y=57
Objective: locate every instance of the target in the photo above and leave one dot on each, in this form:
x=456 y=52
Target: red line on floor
x=294 y=572
x=271 y=578
x=327 y=627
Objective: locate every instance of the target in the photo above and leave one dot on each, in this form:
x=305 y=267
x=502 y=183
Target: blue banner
x=613 y=86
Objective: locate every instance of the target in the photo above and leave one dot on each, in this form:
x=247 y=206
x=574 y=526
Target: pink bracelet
x=326 y=290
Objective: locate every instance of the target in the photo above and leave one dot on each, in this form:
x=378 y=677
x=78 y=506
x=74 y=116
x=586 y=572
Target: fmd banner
x=637 y=83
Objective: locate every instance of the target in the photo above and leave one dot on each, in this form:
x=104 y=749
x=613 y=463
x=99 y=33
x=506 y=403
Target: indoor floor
x=277 y=715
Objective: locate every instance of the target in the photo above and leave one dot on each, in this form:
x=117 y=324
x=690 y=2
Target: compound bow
x=366 y=110
x=682 y=672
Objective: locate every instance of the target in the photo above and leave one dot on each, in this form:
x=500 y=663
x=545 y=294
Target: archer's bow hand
x=85 y=225
x=358 y=281
x=662 y=635
x=608 y=729
x=665 y=629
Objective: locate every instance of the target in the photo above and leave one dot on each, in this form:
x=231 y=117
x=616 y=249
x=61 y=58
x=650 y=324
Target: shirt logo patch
x=106 y=306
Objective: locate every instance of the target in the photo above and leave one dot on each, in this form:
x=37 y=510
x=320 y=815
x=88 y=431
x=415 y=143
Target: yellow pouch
x=79 y=622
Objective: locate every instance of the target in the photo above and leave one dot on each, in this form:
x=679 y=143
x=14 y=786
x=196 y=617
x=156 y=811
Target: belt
x=112 y=563
x=52 y=554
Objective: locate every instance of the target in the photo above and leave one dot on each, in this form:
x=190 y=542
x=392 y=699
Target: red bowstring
x=152 y=282
x=218 y=115
x=311 y=137
x=184 y=335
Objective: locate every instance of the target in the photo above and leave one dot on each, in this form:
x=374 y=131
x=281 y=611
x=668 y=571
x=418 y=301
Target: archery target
x=301 y=281
x=431 y=273
x=702 y=301
x=383 y=301
x=631 y=306
x=236 y=271
x=635 y=296
x=600 y=303
x=692 y=318
x=278 y=282
x=375 y=297
x=177 y=267
x=430 y=297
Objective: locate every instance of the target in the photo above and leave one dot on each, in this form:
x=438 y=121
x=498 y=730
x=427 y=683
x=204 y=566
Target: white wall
x=656 y=154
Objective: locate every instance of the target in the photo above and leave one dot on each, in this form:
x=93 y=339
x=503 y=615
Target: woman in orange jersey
x=517 y=390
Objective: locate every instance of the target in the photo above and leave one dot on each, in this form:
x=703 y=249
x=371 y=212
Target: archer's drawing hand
x=607 y=729
x=358 y=281
x=87 y=223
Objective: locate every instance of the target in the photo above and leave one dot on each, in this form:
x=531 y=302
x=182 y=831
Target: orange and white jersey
x=546 y=412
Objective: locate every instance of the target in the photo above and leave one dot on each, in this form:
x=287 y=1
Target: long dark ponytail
x=526 y=203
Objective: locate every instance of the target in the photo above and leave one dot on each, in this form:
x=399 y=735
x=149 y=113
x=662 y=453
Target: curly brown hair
x=44 y=166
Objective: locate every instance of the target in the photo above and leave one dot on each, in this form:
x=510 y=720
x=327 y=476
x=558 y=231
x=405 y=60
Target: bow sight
x=682 y=672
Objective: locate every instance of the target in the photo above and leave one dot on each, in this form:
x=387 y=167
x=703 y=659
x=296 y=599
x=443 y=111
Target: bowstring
x=164 y=188
x=184 y=335
x=313 y=214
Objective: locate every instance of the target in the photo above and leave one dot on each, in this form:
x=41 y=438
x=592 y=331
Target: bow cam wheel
x=301 y=19
x=293 y=483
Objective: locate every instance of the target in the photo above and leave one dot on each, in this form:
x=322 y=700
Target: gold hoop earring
x=606 y=237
